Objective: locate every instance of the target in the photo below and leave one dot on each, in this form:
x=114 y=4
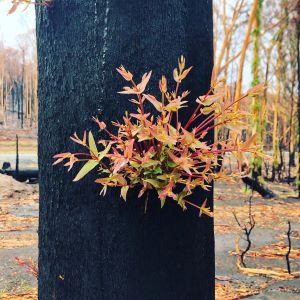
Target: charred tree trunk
x=18 y=100
x=13 y=98
x=258 y=187
x=22 y=103
x=292 y=162
x=102 y=248
x=281 y=167
x=291 y=144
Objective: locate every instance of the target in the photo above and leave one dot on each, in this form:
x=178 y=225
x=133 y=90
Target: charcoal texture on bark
x=103 y=248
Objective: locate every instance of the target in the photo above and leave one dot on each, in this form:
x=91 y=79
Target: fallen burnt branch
x=19 y=175
x=256 y=186
x=22 y=175
x=289 y=179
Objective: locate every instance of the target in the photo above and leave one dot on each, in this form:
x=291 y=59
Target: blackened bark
x=291 y=147
x=18 y=100
x=102 y=248
x=22 y=103
x=11 y=104
x=292 y=162
x=13 y=98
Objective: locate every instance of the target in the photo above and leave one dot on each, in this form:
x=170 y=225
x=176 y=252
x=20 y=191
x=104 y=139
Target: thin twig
x=247 y=230
x=287 y=256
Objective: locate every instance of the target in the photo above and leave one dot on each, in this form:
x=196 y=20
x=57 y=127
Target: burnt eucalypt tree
x=95 y=247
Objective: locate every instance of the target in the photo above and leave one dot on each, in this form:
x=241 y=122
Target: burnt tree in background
x=102 y=248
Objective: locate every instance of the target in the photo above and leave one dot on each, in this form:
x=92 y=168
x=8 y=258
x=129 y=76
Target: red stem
x=212 y=117
x=194 y=115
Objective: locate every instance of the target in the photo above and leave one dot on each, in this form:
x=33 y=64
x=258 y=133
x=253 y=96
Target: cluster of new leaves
x=16 y=3
x=158 y=151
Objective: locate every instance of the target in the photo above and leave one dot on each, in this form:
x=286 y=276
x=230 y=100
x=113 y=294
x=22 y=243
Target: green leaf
x=134 y=164
x=103 y=153
x=92 y=144
x=89 y=166
x=162 y=157
x=171 y=164
x=150 y=163
x=148 y=172
x=154 y=182
x=157 y=170
x=124 y=190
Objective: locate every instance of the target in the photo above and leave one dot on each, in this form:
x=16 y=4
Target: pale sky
x=17 y=23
